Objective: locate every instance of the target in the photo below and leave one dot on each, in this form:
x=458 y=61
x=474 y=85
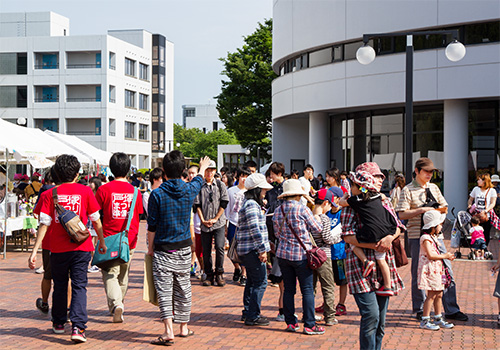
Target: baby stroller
x=460 y=236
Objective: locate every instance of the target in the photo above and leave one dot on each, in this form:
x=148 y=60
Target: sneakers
x=40 y=270
x=384 y=292
x=319 y=309
x=316 y=330
x=438 y=321
x=280 y=317
x=340 y=310
x=292 y=328
x=78 y=335
x=58 y=328
x=368 y=267
x=331 y=322
x=259 y=321
x=118 y=314
x=419 y=315
x=243 y=281
x=236 y=275
x=426 y=324
x=43 y=307
x=93 y=269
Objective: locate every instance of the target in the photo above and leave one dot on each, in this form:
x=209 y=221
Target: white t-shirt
x=479 y=195
x=230 y=211
x=197 y=223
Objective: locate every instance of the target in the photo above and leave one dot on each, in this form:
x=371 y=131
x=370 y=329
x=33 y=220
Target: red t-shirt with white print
x=115 y=198
x=77 y=198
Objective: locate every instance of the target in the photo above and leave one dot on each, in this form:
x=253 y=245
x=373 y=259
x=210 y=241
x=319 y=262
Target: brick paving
x=216 y=314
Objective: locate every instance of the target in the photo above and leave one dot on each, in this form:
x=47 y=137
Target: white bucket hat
x=495 y=178
x=257 y=180
x=432 y=218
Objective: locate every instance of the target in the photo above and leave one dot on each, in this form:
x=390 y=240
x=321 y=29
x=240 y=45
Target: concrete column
x=319 y=146
x=456 y=150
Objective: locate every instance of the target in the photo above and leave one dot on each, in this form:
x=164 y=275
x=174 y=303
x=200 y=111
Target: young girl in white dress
x=431 y=275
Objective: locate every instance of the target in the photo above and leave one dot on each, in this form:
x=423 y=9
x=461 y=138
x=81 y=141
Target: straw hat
x=432 y=218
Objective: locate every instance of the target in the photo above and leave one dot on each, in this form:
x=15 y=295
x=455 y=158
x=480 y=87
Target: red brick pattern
x=216 y=315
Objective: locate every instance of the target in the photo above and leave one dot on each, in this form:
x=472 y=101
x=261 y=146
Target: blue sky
x=202 y=31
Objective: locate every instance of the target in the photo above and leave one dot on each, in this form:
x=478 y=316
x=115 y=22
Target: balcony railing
x=80 y=132
x=44 y=99
x=83 y=99
x=112 y=100
x=46 y=66
x=83 y=66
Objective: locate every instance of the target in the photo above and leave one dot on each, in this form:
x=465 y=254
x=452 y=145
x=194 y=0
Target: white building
x=203 y=117
x=329 y=110
x=98 y=87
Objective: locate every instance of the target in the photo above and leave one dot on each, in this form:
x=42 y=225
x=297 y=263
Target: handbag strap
x=131 y=209
x=292 y=229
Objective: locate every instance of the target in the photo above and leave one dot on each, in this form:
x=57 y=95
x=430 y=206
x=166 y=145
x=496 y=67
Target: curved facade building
x=329 y=110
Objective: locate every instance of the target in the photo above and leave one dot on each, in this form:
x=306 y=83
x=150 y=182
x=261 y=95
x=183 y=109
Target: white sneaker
x=442 y=323
x=118 y=315
x=40 y=270
x=426 y=324
x=280 y=318
x=93 y=269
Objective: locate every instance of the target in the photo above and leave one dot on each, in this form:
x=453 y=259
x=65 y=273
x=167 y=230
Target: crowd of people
x=273 y=221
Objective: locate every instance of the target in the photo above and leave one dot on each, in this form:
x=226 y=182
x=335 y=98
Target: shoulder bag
x=118 y=251
x=315 y=256
x=399 y=252
x=232 y=252
x=73 y=225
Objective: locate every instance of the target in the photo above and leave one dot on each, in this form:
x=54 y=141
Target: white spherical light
x=365 y=54
x=455 y=51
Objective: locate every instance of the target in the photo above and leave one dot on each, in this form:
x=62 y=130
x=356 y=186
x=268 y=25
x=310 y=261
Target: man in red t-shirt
x=115 y=199
x=68 y=259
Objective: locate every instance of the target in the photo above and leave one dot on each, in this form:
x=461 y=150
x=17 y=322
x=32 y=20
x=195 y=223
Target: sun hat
x=425 y=164
x=371 y=168
x=212 y=165
x=325 y=195
x=292 y=187
x=257 y=180
x=336 y=191
x=364 y=179
x=432 y=218
x=495 y=178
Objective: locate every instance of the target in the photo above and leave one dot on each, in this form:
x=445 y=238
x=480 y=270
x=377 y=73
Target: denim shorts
x=479 y=244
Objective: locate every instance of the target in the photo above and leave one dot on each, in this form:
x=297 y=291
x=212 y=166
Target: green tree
x=195 y=144
x=244 y=104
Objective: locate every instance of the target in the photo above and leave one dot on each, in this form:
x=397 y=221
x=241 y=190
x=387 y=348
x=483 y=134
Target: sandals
x=161 y=341
x=190 y=333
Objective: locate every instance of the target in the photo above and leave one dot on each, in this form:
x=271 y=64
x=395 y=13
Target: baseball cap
x=257 y=180
x=325 y=195
x=212 y=165
x=336 y=191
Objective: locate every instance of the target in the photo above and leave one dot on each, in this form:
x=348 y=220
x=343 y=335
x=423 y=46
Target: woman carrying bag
x=252 y=248
x=482 y=200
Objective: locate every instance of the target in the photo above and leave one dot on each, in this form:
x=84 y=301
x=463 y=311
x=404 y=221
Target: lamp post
x=455 y=51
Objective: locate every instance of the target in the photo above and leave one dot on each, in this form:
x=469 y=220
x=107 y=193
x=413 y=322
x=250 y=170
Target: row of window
x=131 y=66
x=130 y=100
x=470 y=34
x=130 y=131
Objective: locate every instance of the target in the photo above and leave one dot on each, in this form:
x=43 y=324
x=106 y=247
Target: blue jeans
x=450 y=304
x=291 y=271
x=373 y=309
x=72 y=265
x=255 y=286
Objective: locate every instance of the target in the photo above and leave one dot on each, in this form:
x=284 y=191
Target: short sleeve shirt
x=412 y=197
x=115 y=198
x=77 y=198
x=483 y=198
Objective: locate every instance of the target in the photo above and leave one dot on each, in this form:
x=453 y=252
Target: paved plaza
x=216 y=315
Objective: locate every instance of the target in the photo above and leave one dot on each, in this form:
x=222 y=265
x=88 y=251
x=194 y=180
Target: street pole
x=258 y=159
x=409 y=110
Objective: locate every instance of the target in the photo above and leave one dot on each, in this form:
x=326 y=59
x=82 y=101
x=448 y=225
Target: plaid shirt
x=252 y=230
x=354 y=266
x=169 y=210
x=303 y=221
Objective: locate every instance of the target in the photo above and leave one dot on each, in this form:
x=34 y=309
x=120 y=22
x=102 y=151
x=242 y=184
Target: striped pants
x=171 y=273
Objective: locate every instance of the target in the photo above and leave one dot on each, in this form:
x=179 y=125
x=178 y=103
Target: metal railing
x=46 y=66
x=83 y=99
x=85 y=65
x=44 y=99
x=80 y=132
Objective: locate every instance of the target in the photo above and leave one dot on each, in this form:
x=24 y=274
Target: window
x=143 y=71
x=112 y=60
x=189 y=112
x=112 y=127
x=320 y=57
x=161 y=111
x=215 y=126
x=143 y=132
x=129 y=67
x=155 y=108
x=112 y=94
x=143 y=102
x=129 y=99
x=129 y=130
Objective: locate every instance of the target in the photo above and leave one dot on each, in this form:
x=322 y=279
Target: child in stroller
x=461 y=235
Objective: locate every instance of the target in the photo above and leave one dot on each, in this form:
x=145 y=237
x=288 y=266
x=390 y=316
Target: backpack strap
x=131 y=209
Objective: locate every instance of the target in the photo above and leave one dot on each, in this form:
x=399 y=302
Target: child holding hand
x=431 y=273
